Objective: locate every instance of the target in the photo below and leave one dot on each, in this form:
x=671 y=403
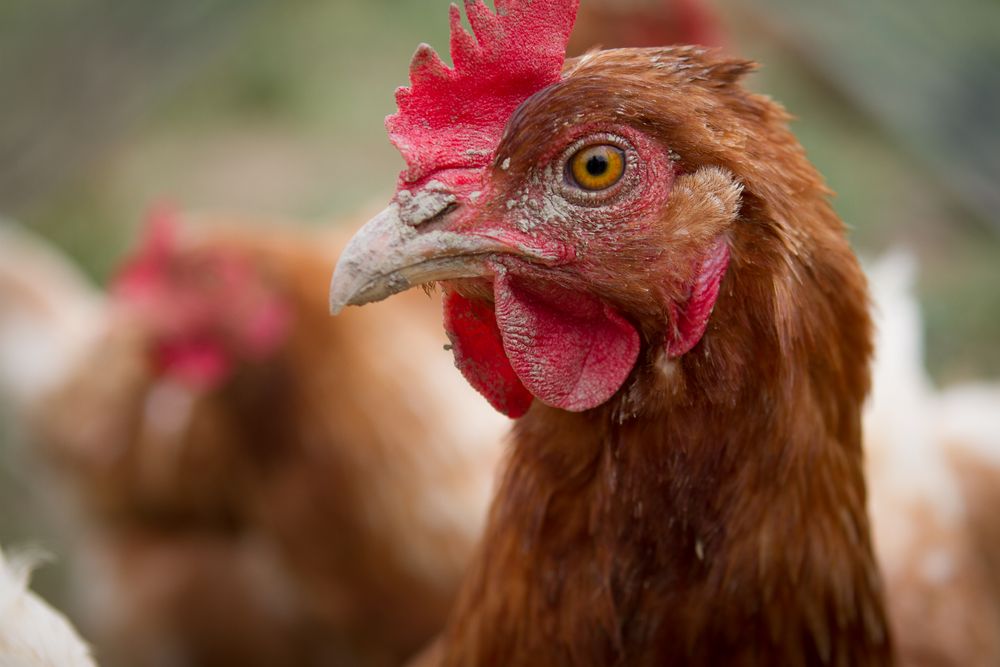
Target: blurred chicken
x=32 y=634
x=934 y=473
x=50 y=317
x=258 y=484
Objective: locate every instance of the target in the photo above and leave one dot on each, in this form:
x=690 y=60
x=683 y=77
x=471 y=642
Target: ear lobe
x=689 y=321
x=709 y=199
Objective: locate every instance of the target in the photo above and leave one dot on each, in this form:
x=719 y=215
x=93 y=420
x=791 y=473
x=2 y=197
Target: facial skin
x=525 y=214
x=649 y=249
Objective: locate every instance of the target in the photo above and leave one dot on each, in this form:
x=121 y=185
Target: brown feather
x=714 y=512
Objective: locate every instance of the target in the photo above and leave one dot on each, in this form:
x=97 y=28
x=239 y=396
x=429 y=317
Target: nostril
x=416 y=209
x=443 y=212
x=439 y=219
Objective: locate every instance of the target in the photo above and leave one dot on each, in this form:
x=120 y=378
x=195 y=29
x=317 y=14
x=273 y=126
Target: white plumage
x=32 y=634
x=50 y=316
x=933 y=464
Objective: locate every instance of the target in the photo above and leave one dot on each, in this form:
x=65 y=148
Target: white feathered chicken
x=46 y=326
x=934 y=489
x=33 y=634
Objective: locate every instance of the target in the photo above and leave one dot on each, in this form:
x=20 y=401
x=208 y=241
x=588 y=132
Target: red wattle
x=198 y=364
x=568 y=348
x=479 y=354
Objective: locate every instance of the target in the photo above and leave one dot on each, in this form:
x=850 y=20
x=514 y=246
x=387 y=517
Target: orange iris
x=597 y=167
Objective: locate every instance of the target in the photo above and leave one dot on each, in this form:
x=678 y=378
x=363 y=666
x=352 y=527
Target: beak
x=389 y=255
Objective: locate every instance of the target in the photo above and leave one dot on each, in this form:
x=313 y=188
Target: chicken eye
x=597 y=167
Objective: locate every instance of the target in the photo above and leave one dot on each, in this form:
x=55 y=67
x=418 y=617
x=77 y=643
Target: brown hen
x=639 y=262
x=638 y=258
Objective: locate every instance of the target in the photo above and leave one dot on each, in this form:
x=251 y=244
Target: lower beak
x=388 y=256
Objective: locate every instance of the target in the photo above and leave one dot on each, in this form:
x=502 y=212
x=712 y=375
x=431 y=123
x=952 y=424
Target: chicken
x=32 y=634
x=639 y=263
x=932 y=478
x=639 y=23
x=933 y=457
x=968 y=425
x=50 y=317
x=258 y=484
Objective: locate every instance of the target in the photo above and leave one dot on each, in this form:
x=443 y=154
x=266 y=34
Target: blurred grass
x=888 y=183
x=28 y=518
x=285 y=123
x=925 y=71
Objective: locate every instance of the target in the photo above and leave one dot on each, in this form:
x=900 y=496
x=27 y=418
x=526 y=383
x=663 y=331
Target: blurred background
x=274 y=111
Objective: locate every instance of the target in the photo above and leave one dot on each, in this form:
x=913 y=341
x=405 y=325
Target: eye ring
x=560 y=171
x=596 y=167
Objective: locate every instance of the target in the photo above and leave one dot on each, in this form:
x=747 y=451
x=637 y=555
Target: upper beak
x=389 y=255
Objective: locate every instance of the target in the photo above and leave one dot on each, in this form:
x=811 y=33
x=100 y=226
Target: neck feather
x=715 y=515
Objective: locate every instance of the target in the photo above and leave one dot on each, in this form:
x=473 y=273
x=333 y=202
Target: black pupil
x=597 y=165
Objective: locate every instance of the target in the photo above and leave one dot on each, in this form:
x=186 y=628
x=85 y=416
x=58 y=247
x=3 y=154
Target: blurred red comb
x=147 y=261
x=454 y=117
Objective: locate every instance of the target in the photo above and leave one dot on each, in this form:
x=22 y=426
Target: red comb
x=159 y=239
x=454 y=117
